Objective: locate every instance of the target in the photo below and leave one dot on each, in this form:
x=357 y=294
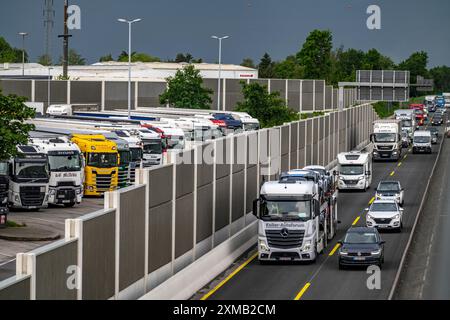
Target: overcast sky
x=254 y=26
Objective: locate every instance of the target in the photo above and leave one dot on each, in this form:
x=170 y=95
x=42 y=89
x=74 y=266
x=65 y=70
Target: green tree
x=315 y=55
x=417 y=66
x=106 y=58
x=9 y=54
x=45 y=60
x=267 y=107
x=137 y=57
x=13 y=129
x=265 y=67
x=288 y=69
x=374 y=60
x=248 y=62
x=75 y=59
x=185 y=90
x=441 y=76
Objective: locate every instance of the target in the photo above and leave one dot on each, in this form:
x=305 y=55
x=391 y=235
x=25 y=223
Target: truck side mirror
x=335 y=173
x=256 y=208
x=371 y=137
x=368 y=173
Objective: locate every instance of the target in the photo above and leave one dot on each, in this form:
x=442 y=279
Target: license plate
x=359 y=258
x=285 y=259
x=61 y=197
x=385 y=155
x=66 y=201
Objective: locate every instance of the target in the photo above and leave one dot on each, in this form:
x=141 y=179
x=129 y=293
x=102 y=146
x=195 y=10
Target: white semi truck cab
x=387 y=140
x=294 y=223
x=66 y=165
x=29 y=179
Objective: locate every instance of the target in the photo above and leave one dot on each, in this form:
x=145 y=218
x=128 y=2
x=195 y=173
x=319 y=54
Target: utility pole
x=65 y=37
x=23 y=34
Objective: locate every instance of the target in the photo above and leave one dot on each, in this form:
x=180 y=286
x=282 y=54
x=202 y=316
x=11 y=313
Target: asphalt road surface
x=426 y=271
x=323 y=280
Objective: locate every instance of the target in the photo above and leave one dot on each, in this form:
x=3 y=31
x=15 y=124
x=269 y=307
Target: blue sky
x=254 y=26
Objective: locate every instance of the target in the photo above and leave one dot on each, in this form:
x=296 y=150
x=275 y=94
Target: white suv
x=385 y=214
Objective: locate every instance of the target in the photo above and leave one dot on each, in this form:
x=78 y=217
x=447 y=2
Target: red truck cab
x=419 y=111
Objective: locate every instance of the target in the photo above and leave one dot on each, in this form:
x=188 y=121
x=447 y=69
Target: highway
x=425 y=275
x=323 y=280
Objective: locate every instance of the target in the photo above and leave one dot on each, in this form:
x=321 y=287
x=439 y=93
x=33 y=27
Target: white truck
x=387 y=140
x=66 y=165
x=28 y=179
x=69 y=109
x=295 y=224
x=408 y=119
x=446 y=96
x=354 y=170
x=422 y=142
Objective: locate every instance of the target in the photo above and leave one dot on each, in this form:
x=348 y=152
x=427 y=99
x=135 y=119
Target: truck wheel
x=69 y=205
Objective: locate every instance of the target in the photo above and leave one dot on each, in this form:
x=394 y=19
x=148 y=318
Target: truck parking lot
x=51 y=219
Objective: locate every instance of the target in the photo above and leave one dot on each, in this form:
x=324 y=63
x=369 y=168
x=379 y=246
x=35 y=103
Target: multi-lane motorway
x=323 y=280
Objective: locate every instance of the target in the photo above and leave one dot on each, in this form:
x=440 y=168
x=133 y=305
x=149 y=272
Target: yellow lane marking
x=206 y=296
x=334 y=249
x=400 y=164
x=302 y=292
x=356 y=221
x=372 y=200
x=392 y=173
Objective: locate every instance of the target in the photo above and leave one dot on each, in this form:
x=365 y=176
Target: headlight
x=361 y=178
x=376 y=253
x=51 y=192
x=343 y=253
x=262 y=246
x=369 y=217
x=307 y=245
x=78 y=191
x=397 y=216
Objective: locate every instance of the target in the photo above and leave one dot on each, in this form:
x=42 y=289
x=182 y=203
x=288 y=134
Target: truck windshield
x=125 y=157
x=175 y=142
x=102 y=160
x=422 y=139
x=67 y=163
x=384 y=137
x=406 y=123
x=286 y=210
x=153 y=147
x=351 y=170
x=33 y=170
x=3 y=168
x=136 y=154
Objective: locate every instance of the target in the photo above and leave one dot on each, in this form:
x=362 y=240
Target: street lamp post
x=48 y=87
x=130 y=22
x=23 y=34
x=220 y=69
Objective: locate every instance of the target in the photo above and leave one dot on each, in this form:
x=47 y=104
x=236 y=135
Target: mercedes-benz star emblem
x=284 y=233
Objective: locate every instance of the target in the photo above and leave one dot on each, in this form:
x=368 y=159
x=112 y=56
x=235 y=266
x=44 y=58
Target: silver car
x=385 y=215
x=390 y=190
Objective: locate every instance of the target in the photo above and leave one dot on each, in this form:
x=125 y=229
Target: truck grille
x=351 y=182
x=123 y=177
x=66 y=184
x=132 y=175
x=293 y=239
x=385 y=148
x=103 y=182
x=65 y=194
x=31 y=196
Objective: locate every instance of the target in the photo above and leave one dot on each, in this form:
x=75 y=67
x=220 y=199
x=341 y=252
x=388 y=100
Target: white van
x=354 y=170
x=422 y=142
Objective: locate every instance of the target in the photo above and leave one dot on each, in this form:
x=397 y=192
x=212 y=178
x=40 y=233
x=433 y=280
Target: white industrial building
x=111 y=71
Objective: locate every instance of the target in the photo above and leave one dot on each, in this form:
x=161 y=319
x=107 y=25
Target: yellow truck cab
x=102 y=161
